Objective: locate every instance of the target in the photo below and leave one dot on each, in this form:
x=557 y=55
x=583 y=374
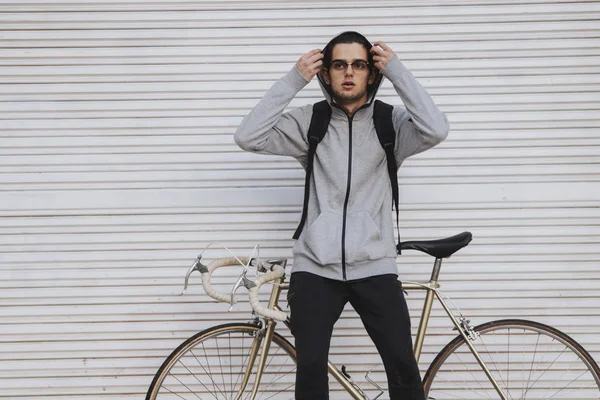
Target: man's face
x=349 y=84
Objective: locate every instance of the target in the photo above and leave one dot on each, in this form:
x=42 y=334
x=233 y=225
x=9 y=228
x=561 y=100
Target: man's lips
x=348 y=85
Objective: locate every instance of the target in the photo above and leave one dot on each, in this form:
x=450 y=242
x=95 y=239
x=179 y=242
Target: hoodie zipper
x=347 y=198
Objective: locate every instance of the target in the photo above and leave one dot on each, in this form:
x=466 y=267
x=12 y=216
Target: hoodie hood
x=326 y=89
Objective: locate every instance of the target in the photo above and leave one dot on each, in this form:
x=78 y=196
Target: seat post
x=436 y=269
x=418 y=345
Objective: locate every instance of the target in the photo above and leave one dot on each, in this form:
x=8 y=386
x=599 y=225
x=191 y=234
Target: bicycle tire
x=449 y=377
x=186 y=375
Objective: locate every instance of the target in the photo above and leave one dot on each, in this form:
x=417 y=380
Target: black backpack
x=382 y=118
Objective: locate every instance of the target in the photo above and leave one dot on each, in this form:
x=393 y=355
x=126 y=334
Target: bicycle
x=504 y=359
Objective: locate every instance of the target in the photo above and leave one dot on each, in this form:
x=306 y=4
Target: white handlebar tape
x=276 y=273
x=221 y=262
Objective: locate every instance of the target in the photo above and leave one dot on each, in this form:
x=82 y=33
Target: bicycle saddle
x=442 y=248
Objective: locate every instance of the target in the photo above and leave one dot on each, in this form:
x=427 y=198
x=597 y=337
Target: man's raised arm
x=267 y=129
x=422 y=125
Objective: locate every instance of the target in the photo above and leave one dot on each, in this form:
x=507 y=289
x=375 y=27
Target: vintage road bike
x=505 y=359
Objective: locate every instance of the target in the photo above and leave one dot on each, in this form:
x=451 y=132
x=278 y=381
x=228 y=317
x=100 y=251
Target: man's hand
x=382 y=54
x=310 y=63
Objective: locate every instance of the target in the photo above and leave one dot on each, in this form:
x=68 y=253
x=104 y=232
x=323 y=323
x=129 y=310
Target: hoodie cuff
x=295 y=79
x=394 y=70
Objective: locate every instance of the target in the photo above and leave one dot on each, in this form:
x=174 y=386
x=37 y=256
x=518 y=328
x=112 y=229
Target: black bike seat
x=441 y=248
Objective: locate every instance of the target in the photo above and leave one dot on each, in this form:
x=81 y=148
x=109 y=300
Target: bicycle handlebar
x=275 y=272
x=216 y=264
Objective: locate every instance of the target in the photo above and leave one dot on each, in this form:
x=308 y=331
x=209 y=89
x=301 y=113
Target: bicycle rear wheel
x=212 y=364
x=528 y=360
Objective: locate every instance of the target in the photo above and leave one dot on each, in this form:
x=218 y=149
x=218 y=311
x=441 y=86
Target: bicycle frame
x=431 y=287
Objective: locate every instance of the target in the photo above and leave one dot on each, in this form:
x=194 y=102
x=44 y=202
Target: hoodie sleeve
x=421 y=125
x=268 y=130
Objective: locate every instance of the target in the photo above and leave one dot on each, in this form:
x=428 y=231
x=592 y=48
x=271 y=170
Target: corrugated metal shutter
x=118 y=166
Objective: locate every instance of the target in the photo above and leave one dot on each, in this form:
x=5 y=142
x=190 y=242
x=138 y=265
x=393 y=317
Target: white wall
x=117 y=166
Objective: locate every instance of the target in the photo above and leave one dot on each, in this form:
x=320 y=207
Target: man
x=346 y=251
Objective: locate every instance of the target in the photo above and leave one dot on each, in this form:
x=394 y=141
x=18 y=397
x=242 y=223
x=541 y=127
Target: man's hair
x=348 y=37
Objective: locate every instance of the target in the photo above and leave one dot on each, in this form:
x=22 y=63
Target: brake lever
x=242 y=281
x=196 y=266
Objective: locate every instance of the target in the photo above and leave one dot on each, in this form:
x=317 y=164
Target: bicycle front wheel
x=212 y=365
x=527 y=359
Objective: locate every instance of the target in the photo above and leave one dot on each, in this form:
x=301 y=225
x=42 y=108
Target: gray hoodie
x=349 y=232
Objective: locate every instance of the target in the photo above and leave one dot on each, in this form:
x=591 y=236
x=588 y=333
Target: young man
x=346 y=251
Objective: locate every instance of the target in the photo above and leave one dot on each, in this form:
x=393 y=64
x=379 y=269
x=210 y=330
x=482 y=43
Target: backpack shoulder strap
x=384 y=125
x=382 y=116
x=319 y=123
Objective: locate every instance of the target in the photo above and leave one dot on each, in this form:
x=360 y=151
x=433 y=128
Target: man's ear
x=372 y=76
x=325 y=75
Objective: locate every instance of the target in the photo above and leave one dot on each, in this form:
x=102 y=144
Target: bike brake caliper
x=468 y=329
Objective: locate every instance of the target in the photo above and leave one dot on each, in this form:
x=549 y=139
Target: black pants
x=316 y=304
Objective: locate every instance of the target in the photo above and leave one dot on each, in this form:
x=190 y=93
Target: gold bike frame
x=430 y=286
x=265 y=336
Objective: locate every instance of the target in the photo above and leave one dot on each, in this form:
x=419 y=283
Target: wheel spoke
x=466 y=388
x=209 y=374
x=523 y=364
x=276 y=376
x=267 y=367
x=531 y=368
x=475 y=379
x=508 y=366
x=289 y=387
x=230 y=367
x=191 y=391
x=192 y=370
x=552 y=365
x=221 y=365
x=246 y=357
x=583 y=373
x=174 y=393
x=494 y=362
x=546 y=370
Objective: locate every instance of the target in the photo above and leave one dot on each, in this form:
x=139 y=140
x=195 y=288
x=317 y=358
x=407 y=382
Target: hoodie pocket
x=323 y=239
x=363 y=239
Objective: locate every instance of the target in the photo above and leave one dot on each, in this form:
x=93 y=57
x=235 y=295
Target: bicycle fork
x=264 y=337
